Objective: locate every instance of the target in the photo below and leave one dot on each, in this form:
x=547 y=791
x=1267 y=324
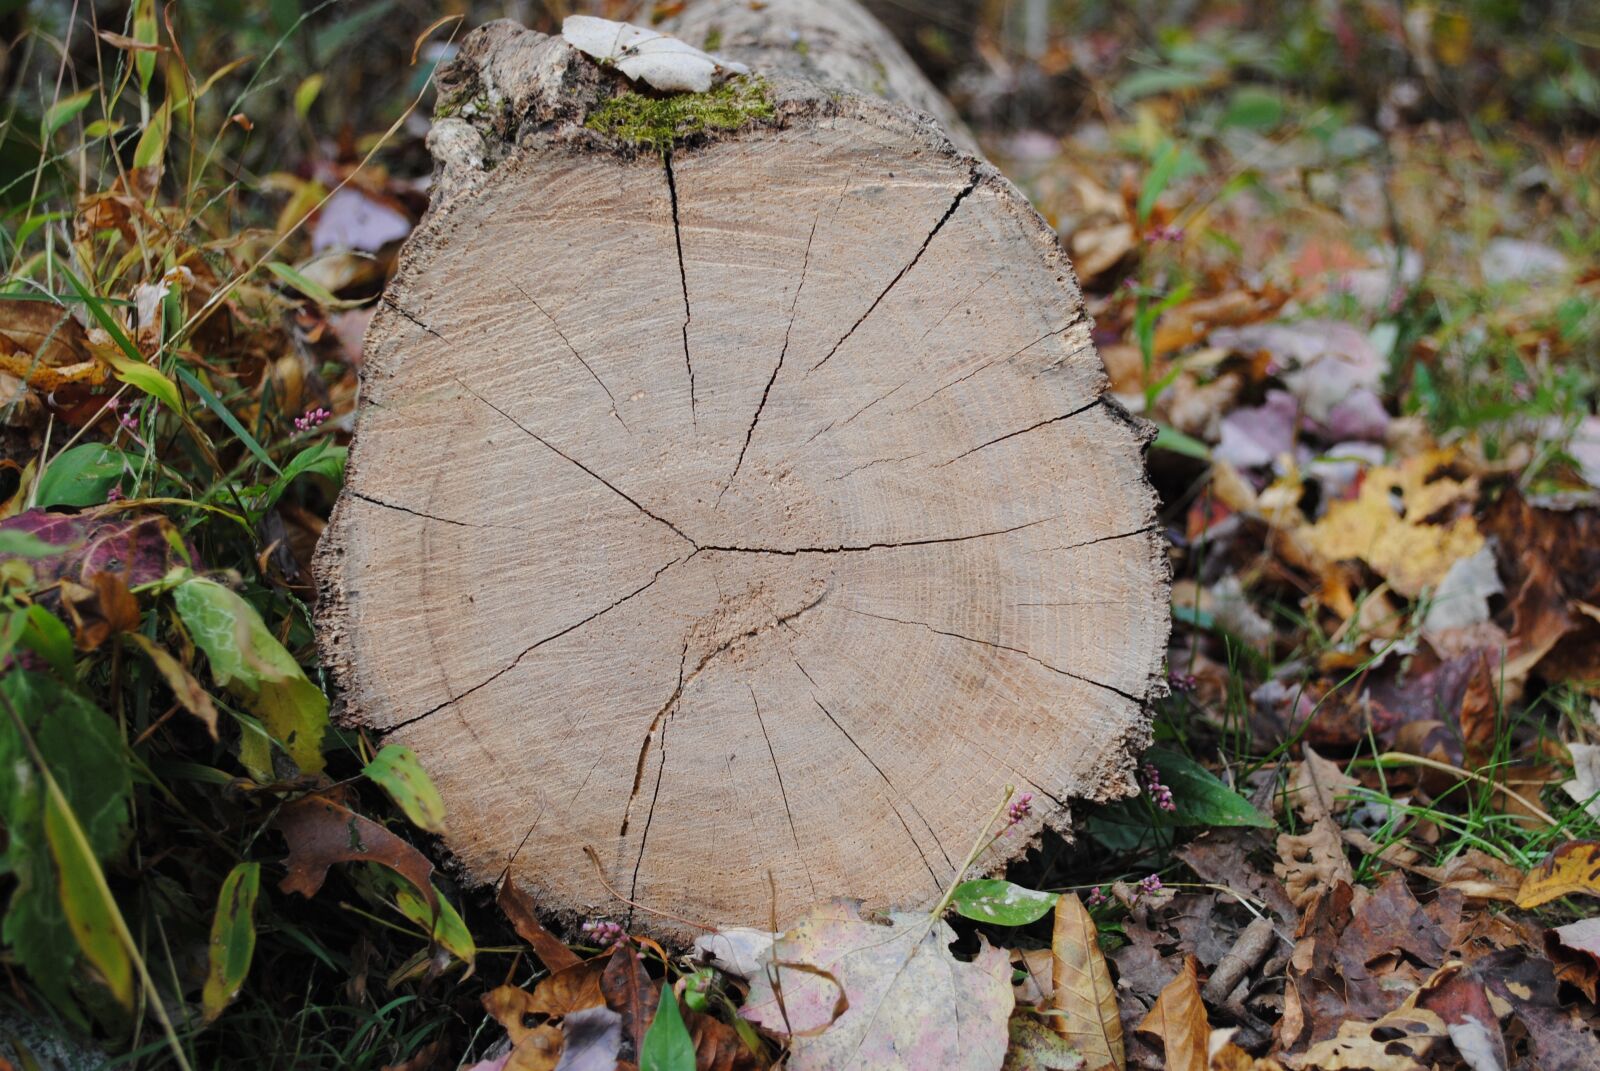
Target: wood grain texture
x=753 y=510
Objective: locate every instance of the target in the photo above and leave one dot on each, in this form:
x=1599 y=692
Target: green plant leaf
x=86 y=898
x=152 y=145
x=233 y=938
x=15 y=543
x=321 y=458
x=1202 y=799
x=1170 y=438
x=80 y=476
x=667 y=1045
x=1154 y=80
x=65 y=110
x=396 y=770
x=1001 y=902
x=45 y=635
x=213 y=403
x=83 y=750
x=248 y=661
x=145 y=32
x=305 y=94
x=309 y=287
x=1155 y=182
x=1255 y=108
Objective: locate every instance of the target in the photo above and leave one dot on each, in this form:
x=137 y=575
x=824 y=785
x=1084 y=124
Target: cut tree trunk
x=749 y=513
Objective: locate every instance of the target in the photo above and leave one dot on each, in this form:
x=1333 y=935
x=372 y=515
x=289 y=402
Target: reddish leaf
x=142 y=546
x=321 y=833
x=631 y=994
x=519 y=908
x=1459 y=998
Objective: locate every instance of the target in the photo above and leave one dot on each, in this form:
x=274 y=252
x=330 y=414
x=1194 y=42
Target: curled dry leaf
x=321 y=833
x=518 y=907
x=1317 y=787
x=1311 y=863
x=1574 y=949
x=1083 y=992
x=1458 y=996
x=534 y=1048
x=1573 y=869
x=645 y=55
x=907 y=1003
x=1178 y=1019
x=43 y=345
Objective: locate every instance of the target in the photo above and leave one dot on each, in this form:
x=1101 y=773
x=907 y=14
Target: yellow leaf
x=1083 y=993
x=1387 y=526
x=1571 y=870
x=1178 y=1018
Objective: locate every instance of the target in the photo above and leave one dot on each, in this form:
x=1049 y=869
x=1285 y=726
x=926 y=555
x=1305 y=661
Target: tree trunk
x=748 y=509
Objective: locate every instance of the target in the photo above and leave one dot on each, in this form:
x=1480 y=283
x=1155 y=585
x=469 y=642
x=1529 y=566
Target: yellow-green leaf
x=144 y=32
x=152 y=144
x=449 y=929
x=233 y=938
x=247 y=660
x=305 y=94
x=185 y=689
x=145 y=377
x=85 y=898
x=65 y=110
x=396 y=770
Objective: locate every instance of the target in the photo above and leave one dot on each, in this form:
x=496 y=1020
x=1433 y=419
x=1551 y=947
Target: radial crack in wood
x=741 y=508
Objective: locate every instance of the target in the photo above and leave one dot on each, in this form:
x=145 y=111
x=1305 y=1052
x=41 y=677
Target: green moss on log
x=660 y=122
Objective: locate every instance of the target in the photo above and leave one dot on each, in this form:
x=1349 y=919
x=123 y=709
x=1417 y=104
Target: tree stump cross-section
x=749 y=513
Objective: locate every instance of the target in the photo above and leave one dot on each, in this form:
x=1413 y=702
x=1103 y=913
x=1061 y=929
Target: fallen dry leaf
x=1405 y=1039
x=907 y=1003
x=1574 y=949
x=1387 y=524
x=1178 y=1019
x=1083 y=992
x=1560 y=1037
x=321 y=833
x=1317 y=787
x=1035 y=1047
x=1458 y=997
x=1312 y=862
x=534 y=1048
x=1478 y=875
x=630 y=993
x=1584 y=788
x=1573 y=869
x=519 y=909
x=43 y=345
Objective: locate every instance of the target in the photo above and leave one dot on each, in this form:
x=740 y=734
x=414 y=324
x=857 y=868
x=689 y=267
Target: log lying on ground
x=746 y=509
